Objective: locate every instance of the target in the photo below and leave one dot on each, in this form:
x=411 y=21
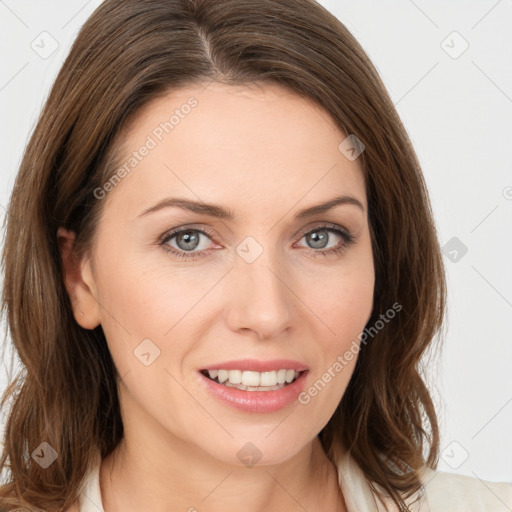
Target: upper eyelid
x=325 y=225
x=168 y=235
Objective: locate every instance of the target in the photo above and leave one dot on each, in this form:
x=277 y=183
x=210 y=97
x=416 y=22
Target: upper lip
x=258 y=365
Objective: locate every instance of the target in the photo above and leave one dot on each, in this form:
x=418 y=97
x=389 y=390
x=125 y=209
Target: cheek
x=352 y=303
x=145 y=336
x=133 y=315
x=150 y=317
x=342 y=302
x=342 y=299
x=349 y=310
x=343 y=309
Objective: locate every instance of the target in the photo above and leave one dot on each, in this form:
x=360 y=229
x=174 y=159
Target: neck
x=158 y=473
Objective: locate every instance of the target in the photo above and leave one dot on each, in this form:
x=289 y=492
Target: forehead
x=257 y=146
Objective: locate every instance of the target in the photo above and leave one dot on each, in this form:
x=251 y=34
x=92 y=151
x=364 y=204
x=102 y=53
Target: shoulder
x=449 y=492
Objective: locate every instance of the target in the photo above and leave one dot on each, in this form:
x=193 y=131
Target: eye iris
x=319 y=241
x=190 y=239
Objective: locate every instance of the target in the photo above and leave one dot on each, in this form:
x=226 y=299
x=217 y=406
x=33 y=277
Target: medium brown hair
x=128 y=53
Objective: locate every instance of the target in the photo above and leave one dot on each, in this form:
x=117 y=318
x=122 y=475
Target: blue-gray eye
x=188 y=240
x=318 y=241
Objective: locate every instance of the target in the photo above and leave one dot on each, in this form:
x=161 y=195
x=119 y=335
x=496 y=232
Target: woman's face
x=264 y=283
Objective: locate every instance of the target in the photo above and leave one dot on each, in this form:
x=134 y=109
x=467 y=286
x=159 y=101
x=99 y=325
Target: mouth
x=252 y=380
x=275 y=387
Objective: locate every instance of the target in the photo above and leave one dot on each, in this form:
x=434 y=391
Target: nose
x=259 y=297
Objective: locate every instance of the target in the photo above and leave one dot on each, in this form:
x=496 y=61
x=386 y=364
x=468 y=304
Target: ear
x=79 y=282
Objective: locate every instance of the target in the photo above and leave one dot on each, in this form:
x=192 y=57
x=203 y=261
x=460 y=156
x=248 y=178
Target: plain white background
x=448 y=69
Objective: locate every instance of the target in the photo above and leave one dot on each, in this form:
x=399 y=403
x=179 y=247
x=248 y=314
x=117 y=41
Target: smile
x=251 y=380
x=264 y=398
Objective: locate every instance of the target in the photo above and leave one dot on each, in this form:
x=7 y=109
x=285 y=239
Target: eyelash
x=348 y=240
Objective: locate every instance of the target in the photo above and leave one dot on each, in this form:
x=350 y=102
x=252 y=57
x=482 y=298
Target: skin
x=264 y=153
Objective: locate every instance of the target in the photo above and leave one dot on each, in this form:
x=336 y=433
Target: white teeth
x=235 y=377
x=250 y=379
x=269 y=378
x=281 y=376
x=290 y=375
x=222 y=375
x=252 y=388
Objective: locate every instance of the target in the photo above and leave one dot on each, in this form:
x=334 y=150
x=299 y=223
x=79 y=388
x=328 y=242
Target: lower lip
x=257 y=401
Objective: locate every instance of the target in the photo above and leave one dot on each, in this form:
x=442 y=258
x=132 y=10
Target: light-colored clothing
x=441 y=491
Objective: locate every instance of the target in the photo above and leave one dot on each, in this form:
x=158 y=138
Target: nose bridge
x=262 y=299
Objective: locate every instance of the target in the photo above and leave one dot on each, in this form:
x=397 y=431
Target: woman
x=221 y=272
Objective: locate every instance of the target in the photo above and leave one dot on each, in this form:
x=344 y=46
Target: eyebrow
x=217 y=211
